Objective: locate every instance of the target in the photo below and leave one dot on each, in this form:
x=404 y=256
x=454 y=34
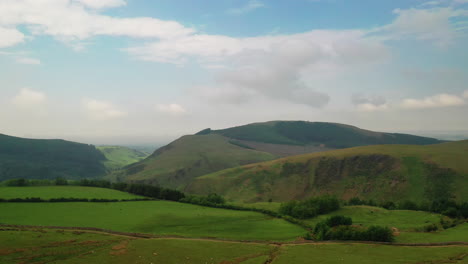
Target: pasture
x=153 y=217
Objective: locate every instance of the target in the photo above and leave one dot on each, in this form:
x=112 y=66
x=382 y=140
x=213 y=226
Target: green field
x=155 y=217
x=369 y=215
x=49 y=192
x=371 y=254
x=77 y=247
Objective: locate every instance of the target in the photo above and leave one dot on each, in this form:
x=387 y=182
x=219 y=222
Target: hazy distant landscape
x=233 y=131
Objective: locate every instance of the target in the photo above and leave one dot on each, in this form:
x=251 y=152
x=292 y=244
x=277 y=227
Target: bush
x=340 y=228
x=339 y=220
x=311 y=207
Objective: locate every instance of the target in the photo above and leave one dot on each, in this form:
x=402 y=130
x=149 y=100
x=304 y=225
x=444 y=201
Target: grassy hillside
x=48 y=159
x=118 y=157
x=50 y=192
x=154 y=217
x=176 y=164
x=383 y=172
x=331 y=135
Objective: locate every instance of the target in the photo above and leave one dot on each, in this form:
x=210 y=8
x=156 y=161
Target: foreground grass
x=369 y=215
x=51 y=246
x=49 y=192
x=155 y=217
x=71 y=247
x=363 y=254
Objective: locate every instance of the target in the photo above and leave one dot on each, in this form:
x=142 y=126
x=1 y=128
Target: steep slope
x=382 y=172
x=118 y=156
x=176 y=164
x=48 y=159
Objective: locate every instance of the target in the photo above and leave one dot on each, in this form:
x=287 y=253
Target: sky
x=149 y=71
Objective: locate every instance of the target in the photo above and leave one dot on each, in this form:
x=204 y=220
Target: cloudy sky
x=136 y=71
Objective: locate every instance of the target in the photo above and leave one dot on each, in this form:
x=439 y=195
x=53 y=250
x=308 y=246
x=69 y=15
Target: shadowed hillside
x=48 y=159
x=382 y=172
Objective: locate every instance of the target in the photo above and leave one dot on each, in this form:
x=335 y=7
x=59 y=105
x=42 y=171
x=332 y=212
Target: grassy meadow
x=154 y=217
x=50 y=192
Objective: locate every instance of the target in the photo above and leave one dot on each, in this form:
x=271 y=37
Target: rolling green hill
x=331 y=135
x=48 y=159
x=382 y=172
x=118 y=157
x=176 y=164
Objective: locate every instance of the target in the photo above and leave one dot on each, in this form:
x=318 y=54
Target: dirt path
x=274 y=243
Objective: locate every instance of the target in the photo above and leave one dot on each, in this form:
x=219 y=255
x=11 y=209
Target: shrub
x=311 y=207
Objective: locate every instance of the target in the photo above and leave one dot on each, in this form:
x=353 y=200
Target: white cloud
x=465 y=94
x=10 y=37
x=248 y=7
x=426 y=24
x=369 y=104
x=436 y=101
x=368 y=107
x=102 y=110
x=270 y=66
x=173 y=109
x=26 y=60
x=99 y=4
x=29 y=98
x=69 y=21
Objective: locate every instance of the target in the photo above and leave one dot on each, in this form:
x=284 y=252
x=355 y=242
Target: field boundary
x=8 y=227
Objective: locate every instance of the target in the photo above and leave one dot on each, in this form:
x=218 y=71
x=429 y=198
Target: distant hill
x=318 y=134
x=48 y=159
x=178 y=163
x=381 y=172
x=118 y=156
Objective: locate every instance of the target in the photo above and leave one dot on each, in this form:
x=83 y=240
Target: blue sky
x=140 y=71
